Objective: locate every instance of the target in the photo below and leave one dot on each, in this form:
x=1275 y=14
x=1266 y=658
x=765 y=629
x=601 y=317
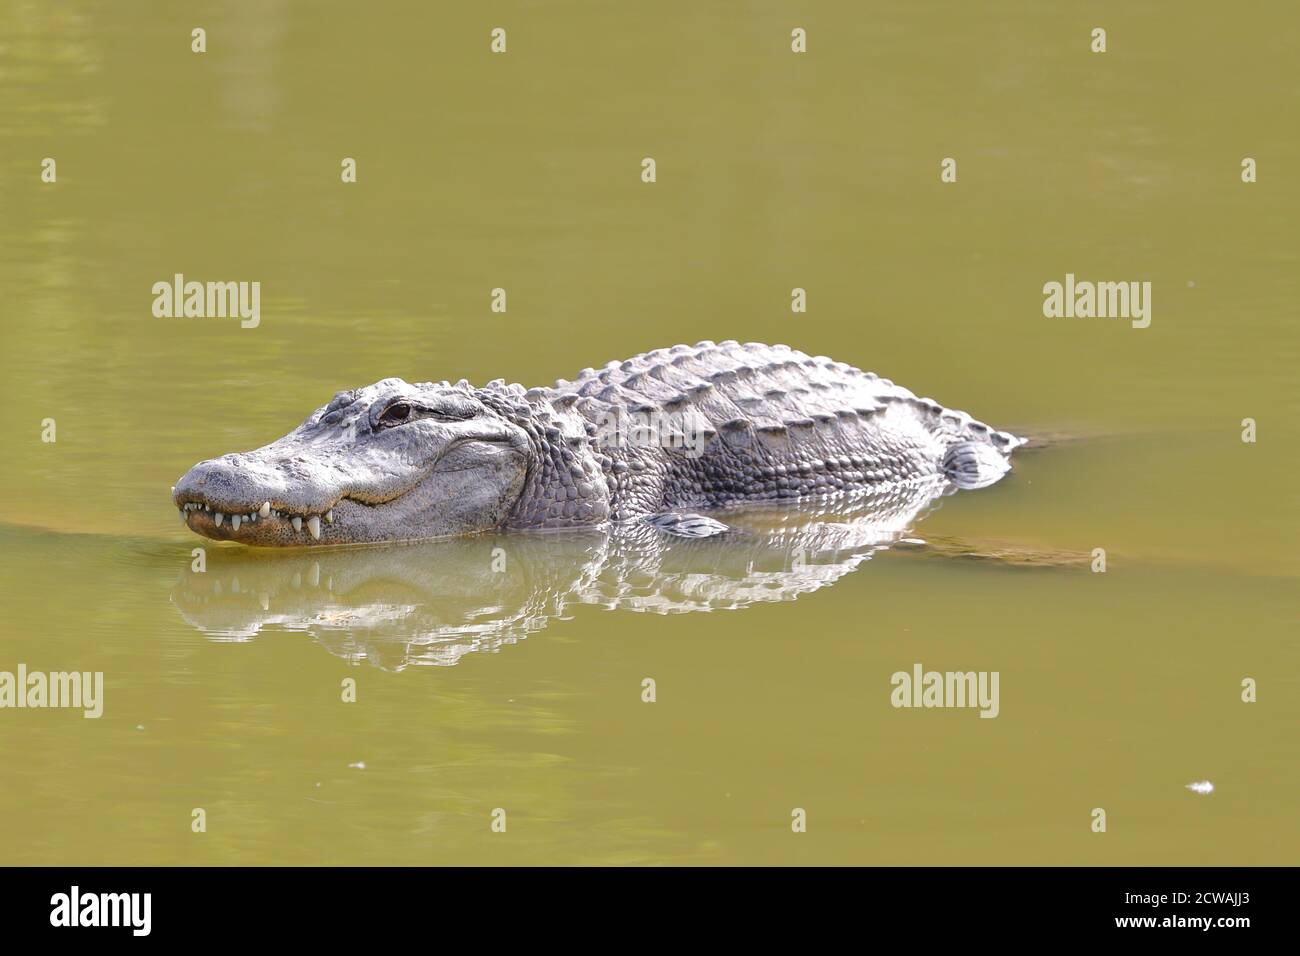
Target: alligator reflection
x=432 y=602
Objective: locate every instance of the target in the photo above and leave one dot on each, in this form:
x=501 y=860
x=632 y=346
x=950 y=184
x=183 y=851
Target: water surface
x=521 y=689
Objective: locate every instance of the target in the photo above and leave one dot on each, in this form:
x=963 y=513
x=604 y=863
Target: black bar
x=334 y=905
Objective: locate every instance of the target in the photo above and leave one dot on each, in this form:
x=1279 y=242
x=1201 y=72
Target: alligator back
x=769 y=422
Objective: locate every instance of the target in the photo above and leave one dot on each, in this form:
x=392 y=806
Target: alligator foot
x=687 y=525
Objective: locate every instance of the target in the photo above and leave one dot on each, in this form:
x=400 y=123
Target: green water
x=775 y=170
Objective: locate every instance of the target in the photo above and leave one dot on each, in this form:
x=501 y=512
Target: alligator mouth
x=264 y=521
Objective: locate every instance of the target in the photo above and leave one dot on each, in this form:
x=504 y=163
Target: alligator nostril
x=229 y=485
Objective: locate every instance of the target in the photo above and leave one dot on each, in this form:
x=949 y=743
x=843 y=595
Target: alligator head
x=387 y=462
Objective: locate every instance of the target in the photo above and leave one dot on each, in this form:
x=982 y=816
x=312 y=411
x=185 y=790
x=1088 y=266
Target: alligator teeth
x=313 y=525
x=219 y=518
x=265 y=510
x=297 y=523
x=234 y=521
x=329 y=516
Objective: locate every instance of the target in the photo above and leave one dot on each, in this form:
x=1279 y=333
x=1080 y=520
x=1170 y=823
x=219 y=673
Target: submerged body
x=658 y=437
x=434 y=602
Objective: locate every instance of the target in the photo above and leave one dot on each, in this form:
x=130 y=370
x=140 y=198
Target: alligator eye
x=395 y=414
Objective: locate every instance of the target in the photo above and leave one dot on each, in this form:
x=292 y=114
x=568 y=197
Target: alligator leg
x=687 y=525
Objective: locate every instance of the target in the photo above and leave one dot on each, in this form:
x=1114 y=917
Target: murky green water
x=774 y=171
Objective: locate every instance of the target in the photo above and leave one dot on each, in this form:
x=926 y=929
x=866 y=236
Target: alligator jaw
x=264 y=524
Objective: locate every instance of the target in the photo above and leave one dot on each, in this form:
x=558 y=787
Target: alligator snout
x=228 y=498
x=218 y=483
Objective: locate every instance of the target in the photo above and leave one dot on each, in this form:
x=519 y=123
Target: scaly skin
x=730 y=424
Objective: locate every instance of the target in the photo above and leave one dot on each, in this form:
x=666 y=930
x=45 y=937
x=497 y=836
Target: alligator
x=659 y=438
